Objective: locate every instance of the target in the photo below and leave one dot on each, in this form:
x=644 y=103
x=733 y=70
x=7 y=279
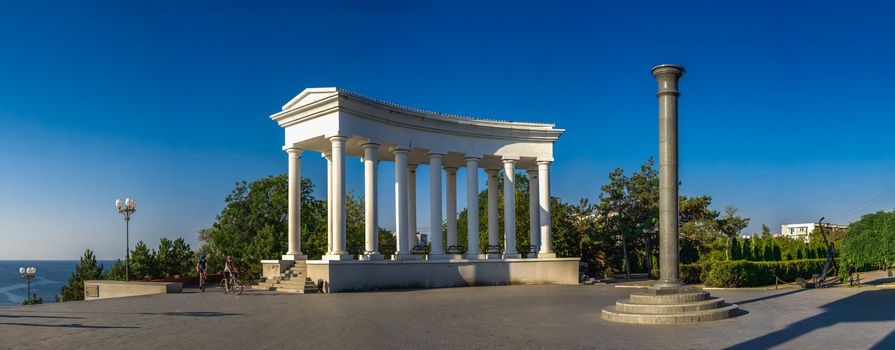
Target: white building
x=802 y=231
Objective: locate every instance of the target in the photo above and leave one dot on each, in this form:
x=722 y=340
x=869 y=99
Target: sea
x=51 y=276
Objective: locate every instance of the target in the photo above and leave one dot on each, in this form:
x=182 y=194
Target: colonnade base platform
x=357 y=276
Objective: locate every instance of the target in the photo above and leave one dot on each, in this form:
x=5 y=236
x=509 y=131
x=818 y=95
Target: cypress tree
x=747 y=249
x=736 y=252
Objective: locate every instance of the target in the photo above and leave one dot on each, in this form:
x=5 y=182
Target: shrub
x=689 y=273
x=733 y=274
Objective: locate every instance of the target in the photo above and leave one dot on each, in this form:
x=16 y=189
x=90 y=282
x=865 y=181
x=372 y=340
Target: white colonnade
x=405 y=183
x=341 y=124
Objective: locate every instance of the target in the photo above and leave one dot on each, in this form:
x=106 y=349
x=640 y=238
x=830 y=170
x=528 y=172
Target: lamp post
x=129 y=207
x=28 y=275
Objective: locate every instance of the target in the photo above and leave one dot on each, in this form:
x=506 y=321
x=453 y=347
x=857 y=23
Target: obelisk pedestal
x=668 y=301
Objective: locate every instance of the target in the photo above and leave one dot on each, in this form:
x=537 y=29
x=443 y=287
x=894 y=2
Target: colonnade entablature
x=339 y=124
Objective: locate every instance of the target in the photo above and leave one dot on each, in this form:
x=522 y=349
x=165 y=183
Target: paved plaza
x=506 y=317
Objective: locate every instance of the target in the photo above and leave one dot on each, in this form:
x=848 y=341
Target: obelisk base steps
x=670 y=306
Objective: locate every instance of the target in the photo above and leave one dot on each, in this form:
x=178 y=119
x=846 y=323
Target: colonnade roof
x=316 y=114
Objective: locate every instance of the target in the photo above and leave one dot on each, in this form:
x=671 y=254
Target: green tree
x=86 y=269
x=699 y=228
x=253 y=224
x=34 y=300
x=214 y=259
x=166 y=262
x=355 y=227
x=736 y=251
x=765 y=231
x=643 y=190
x=614 y=207
x=777 y=252
x=184 y=260
x=116 y=272
x=870 y=242
x=175 y=258
x=387 y=241
x=522 y=219
x=732 y=224
x=144 y=261
x=747 y=249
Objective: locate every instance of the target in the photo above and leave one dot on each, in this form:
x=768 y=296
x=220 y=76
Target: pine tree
x=87 y=269
x=144 y=261
x=116 y=273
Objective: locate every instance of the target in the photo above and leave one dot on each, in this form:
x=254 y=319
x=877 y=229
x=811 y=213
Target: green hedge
x=689 y=273
x=742 y=273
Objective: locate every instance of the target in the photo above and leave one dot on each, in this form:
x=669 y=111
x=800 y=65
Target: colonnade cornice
x=516 y=134
x=333 y=103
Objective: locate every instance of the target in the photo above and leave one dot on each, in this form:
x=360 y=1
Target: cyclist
x=229 y=270
x=202 y=267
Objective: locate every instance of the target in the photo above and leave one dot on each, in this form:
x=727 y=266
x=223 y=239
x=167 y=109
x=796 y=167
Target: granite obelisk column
x=668 y=301
x=667 y=76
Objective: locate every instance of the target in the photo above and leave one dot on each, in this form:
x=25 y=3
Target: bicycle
x=235 y=285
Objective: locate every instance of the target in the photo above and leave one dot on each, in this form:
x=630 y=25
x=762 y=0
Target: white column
x=436 y=252
x=509 y=209
x=402 y=250
x=544 y=195
x=371 y=239
x=329 y=202
x=294 y=249
x=338 y=180
x=493 y=227
x=412 y=230
x=450 y=188
x=534 y=215
x=472 y=208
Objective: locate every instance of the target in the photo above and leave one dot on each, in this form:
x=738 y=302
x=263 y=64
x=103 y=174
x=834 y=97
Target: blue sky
x=785 y=113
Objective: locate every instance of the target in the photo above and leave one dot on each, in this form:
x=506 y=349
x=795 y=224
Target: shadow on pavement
x=887 y=343
x=192 y=313
x=869 y=306
x=881 y=281
x=40 y=316
x=772 y=296
x=70 y=325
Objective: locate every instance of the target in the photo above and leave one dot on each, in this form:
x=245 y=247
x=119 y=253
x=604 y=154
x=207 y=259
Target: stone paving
x=508 y=317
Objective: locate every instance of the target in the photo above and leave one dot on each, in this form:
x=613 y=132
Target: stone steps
x=293 y=280
x=648 y=298
x=669 y=306
x=611 y=313
x=627 y=306
x=289 y=286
